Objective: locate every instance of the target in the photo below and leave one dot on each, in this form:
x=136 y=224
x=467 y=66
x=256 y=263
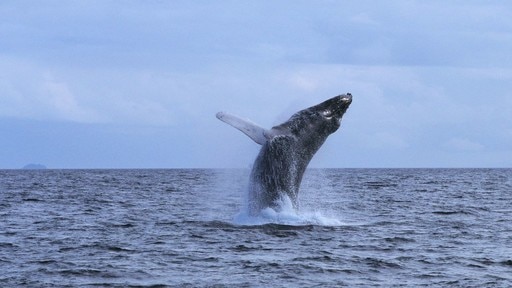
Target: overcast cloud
x=136 y=84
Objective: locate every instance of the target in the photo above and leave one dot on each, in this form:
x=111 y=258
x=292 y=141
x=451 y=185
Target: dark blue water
x=356 y=228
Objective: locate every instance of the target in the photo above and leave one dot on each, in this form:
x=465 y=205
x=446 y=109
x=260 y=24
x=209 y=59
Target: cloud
x=462 y=144
x=31 y=92
x=363 y=18
x=61 y=103
x=78 y=95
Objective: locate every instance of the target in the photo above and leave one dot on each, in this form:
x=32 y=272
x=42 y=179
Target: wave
x=284 y=214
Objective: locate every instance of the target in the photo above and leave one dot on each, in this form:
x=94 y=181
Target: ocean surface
x=189 y=228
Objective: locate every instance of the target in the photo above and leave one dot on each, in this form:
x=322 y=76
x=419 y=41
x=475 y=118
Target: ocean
x=189 y=228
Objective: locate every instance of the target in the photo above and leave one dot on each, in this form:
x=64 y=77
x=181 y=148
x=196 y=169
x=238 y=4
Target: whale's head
x=322 y=119
x=333 y=109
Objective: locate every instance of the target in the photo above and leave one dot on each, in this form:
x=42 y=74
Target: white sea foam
x=284 y=214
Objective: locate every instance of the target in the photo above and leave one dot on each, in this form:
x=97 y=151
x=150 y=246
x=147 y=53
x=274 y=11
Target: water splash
x=284 y=214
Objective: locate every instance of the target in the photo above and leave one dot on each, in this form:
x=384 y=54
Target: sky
x=136 y=84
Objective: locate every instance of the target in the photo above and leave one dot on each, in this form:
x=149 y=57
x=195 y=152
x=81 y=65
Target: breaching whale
x=287 y=149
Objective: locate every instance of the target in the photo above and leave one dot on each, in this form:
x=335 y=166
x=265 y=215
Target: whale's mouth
x=342 y=105
x=347 y=98
x=330 y=109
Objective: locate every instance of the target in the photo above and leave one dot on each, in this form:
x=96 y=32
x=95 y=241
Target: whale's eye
x=327 y=113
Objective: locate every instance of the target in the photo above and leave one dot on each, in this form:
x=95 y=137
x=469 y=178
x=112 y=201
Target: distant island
x=34 y=166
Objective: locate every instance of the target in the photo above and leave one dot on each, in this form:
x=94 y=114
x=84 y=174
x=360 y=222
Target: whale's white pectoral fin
x=269 y=134
x=250 y=129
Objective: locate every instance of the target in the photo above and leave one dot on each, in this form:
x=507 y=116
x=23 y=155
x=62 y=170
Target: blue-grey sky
x=136 y=84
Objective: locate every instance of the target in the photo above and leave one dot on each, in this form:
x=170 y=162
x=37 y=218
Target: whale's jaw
x=334 y=107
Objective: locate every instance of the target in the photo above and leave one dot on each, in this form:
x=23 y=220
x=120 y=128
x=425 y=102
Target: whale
x=286 y=150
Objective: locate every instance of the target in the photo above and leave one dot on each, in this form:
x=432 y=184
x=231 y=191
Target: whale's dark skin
x=283 y=159
x=287 y=149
